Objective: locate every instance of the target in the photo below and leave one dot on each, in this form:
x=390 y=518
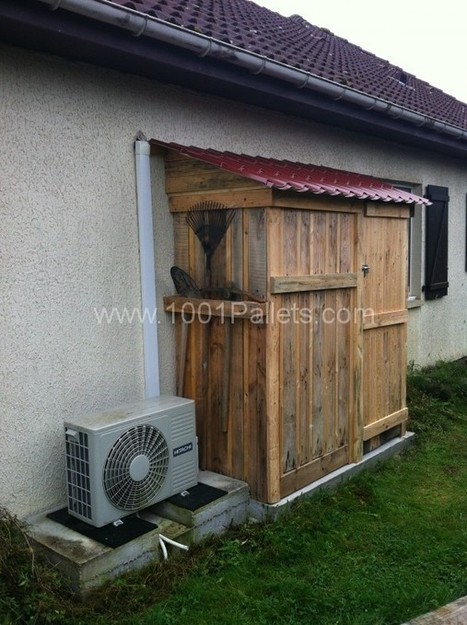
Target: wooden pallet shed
x=307 y=369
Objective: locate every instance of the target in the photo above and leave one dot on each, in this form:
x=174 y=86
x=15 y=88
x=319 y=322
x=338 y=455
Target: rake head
x=209 y=221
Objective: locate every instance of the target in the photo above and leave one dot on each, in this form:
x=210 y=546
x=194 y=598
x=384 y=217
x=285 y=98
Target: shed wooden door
x=384 y=293
x=314 y=297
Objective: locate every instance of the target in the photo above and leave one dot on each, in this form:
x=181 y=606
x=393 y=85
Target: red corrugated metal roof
x=287 y=175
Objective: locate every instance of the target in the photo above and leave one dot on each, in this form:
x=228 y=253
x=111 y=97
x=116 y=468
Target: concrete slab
x=87 y=563
x=454 y=613
x=216 y=517
x=262 y=511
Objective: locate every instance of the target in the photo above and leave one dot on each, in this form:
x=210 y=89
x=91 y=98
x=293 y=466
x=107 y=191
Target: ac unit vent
x=126 y=459
x=78 y=483
x=136 y=467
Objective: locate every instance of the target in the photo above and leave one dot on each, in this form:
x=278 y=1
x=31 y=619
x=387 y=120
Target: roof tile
x=295 y=42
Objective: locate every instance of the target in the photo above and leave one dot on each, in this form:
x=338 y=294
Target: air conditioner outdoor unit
x=123 y=460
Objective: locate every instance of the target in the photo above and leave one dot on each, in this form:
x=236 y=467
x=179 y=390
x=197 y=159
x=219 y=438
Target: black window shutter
x=436 y=243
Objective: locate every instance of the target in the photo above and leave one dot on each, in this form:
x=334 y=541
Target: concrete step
x=216 y=517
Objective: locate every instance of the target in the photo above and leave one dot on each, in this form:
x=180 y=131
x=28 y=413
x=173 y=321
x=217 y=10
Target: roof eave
x=217 y=68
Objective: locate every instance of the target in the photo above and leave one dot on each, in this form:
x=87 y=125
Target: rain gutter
x=142 y=25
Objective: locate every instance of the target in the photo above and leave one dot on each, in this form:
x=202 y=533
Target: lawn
x=389 y=545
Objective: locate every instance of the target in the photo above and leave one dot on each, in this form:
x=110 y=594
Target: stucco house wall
x=69 y=243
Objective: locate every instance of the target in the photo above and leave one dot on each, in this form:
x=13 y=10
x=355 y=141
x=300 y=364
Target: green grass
x=389 y=545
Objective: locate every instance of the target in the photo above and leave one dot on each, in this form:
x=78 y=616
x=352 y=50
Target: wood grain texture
x=387 y=422
x=384 y=295
x=295 y=284
x=301 y=378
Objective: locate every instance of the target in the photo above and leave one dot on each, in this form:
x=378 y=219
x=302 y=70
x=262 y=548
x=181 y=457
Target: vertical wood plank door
x=384 y=293
x=318 y=328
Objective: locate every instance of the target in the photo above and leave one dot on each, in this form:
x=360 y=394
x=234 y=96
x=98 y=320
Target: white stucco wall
x=69 y=243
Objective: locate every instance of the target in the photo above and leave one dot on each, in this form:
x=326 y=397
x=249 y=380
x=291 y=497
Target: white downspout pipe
x=147 y=266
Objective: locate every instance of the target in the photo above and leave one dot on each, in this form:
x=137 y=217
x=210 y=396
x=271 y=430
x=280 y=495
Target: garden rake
x=209 y=221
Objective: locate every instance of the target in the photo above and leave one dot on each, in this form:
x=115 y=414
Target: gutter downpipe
x=140 y=24
x=147 y=268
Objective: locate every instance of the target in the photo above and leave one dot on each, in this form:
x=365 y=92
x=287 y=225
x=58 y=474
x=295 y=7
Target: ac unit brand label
x=183 y=449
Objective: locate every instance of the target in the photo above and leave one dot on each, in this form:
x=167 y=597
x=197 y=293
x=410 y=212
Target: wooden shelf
x=202 y=308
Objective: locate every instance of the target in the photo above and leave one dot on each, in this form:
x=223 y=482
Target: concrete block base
x=88 y=564
x=215 y=517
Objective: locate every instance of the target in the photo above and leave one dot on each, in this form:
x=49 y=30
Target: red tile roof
x=297 y=43
x=287 y=175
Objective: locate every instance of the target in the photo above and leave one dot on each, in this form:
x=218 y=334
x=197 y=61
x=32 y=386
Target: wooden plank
x=247 y=425
x=236 y=414
x=395 y=211
x=217 y=440
x=288 y=388
x=304 y=248
x=248 y=198
x=304 y=343
x=181 y=359
x=317 y=376
x=330 y=244
x=197 y=308
x=261 y=412
x=253 y=463
x=329 y=371
x=181 y=251
x=381 y=319
x=309 y=473
x=305 y=201
x=190 y=175
x=273 y=409
x=346 y=244
x=219 y=264
x=196 y=259
x=317 y=243
x=289 y=347
x=304 y=371
x=246 y=355
x=373 y=429
x=357 y=351
x=325 y=281
x=343 y=358
x=273 y=371
x=236 y=235
x=257 y=254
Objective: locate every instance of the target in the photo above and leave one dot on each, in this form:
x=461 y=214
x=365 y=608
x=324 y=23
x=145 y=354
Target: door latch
x=365 y=270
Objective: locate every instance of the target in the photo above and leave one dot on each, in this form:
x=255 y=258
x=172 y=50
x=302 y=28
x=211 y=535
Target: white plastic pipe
x=147 y=267
x=163 y=540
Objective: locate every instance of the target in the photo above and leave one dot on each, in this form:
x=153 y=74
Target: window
x=414 y=256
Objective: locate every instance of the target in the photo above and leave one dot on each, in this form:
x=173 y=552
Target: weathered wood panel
x=295 y=284
x=385 y=320
x=316 y=341
x=273 y=363
x=288 y=393
x=187 y=175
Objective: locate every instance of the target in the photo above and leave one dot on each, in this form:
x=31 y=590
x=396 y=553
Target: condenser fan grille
x=136 y=467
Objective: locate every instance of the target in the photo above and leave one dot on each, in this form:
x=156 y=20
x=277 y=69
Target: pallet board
x=291 y=380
